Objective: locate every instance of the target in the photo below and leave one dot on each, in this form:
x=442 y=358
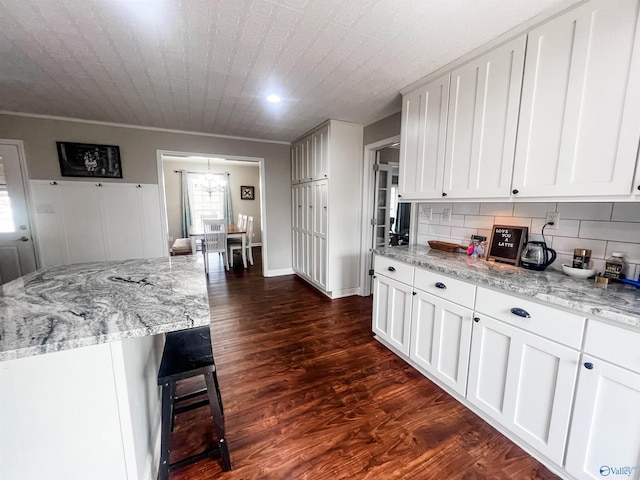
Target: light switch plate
x=426 y=213
x=446 y=215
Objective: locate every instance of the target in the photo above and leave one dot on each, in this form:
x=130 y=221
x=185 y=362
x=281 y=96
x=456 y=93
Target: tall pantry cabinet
x=326 y=167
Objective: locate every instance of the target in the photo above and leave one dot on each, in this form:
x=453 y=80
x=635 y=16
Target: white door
x=320 y=163
x=306 y=230
x=392 y=312
x=382 y=205
x=605 y=431
x=422 y=144
x=441 y=339
x=523 y=381
x=580 y=110
x=481 y=127
x=320 y=214
x=17 y=255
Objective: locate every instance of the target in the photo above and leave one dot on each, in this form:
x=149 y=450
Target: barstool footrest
x=212 y=452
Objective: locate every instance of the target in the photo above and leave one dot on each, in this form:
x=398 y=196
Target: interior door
x=382 y=209
x=17 y=255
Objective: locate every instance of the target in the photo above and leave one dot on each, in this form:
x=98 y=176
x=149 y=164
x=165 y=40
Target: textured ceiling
x=206 y=66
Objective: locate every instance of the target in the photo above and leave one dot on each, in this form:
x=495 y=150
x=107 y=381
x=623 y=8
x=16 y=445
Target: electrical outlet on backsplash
x=602 y=227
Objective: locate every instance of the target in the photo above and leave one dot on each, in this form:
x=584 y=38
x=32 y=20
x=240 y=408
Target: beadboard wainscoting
x=602 y=227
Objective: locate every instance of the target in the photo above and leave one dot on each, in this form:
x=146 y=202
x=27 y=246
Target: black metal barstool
x=187 y=353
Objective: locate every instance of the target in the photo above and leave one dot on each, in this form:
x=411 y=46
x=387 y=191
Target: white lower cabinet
x=523 y=381
x=605 y=431
x=392 y=312
x=441 y=339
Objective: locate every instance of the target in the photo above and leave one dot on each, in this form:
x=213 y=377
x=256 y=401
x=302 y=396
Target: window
x=6 y=215
x=206 y=196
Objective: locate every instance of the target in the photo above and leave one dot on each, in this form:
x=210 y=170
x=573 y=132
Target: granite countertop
x=71 y=306
x=615 y=302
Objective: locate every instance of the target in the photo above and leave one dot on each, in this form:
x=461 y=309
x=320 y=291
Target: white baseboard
x=348 y=292
x=279 y=273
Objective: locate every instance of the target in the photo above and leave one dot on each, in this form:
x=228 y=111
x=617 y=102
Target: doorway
x=386 y=221
x=17 y=253
x=245 y=174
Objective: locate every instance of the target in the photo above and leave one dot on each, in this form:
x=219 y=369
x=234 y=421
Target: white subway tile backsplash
x=440 y=207
x=534 y=209
x=456 y=221
x=615 y=231
x=476 y=221
x=463 y=233
x=560 y=259
x=423 y=228
x=631 y=251
x=439 y=230
x=567 y=245
x=501 y=209
x=626 y=212
x=484 y=233
x=513 y=221
x=567 y=228
x=466 y=208
x=585 y=211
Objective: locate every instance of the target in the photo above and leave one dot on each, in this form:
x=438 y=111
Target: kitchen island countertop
x=72 y=306
x=616 y=302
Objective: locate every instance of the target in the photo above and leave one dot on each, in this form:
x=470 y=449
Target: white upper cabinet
x=481 y=128
x=580 y=113
x=423 y=137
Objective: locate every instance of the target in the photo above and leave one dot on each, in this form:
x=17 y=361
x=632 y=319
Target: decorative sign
x=247 y=192
x=506 y=243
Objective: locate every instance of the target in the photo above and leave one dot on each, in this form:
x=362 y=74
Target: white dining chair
x=214 y=240
x=243 y=222
x=248 y=244
x=239 y=220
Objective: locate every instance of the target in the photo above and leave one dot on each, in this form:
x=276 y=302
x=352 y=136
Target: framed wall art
x=247 y=193
x=89 y=160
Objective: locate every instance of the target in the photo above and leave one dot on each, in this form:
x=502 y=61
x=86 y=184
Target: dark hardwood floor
x=309 y=394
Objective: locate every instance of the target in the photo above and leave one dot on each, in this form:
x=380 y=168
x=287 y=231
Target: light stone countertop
x=72 y=306
x=616 y=302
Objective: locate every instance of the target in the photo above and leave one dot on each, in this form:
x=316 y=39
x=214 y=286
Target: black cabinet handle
x=444 y=194
x=638 y=187
x=515 y=191
x=476 y=319
x=441 y=285
x=399 y=196
x=520 y=312
x=588 y=365
x=375 y=276
x=414 y=293
x=391 y=269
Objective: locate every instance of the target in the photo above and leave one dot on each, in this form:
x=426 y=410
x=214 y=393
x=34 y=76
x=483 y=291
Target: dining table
x=196 y=233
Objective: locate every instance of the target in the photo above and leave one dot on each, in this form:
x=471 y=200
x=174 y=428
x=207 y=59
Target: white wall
x=602 y=227
x=238 y=175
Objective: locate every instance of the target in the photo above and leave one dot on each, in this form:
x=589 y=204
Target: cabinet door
x=320 y=143
x=580 y=112
x=306 y=230
x=306 y=152
x=392 y=312
x=605 y=431
x=296 y=207
x=423 y=136
x=295 y=163
x=320 y=226
x=523 y=381
x=153 y=240
x=481 y=127
x=441 y=339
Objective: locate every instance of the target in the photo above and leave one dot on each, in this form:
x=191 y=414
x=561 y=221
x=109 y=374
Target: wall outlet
x=446 y=215
x=171 y=239
x=426 y=213
x=555 y=218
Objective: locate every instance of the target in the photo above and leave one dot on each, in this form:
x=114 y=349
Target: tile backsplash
x=602 y=227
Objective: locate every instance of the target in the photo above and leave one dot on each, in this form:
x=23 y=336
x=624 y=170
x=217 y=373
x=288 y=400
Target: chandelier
x=213 y=183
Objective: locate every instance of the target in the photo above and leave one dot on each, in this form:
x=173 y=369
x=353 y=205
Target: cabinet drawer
x=614 y=344
x=456 y=291
x=394 y=269
x=557 y=325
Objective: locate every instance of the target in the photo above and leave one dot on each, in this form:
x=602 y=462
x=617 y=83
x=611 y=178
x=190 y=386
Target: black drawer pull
x=414 y=293
x=441 y=285
x=391 y=269
x=520 y=312
x=476 y=319
x=588 y=365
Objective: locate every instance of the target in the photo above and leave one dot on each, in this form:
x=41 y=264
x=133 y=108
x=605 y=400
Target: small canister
x=581 y=258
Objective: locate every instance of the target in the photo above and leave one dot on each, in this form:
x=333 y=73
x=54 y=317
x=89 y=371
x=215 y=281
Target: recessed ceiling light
x=273 y=98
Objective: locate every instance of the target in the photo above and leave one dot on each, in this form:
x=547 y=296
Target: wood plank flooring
x=309 y=394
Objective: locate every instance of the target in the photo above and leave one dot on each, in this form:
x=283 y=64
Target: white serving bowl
x=578 y=272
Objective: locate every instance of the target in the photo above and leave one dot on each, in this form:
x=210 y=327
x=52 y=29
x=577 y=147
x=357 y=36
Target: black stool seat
x=187 y=353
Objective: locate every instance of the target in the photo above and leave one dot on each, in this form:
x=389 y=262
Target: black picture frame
x=89 y=160
x=247 y=192
x=506 y=243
